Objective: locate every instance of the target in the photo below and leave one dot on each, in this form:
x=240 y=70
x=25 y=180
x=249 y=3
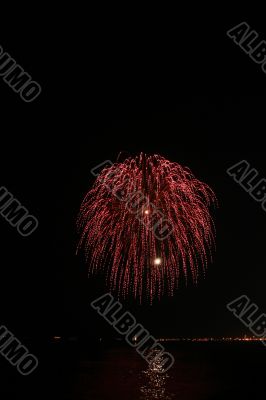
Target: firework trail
x=146 y=223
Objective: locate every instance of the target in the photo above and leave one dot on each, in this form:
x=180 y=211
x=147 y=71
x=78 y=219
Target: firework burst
x=146 y=223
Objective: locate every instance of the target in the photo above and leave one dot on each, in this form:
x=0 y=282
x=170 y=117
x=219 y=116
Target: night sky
x=205 y=112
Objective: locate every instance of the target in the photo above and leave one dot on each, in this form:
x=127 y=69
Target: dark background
x=182 y=89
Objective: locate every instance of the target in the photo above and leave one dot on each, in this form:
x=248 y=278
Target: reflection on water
x=154 y=382
x=200 y=372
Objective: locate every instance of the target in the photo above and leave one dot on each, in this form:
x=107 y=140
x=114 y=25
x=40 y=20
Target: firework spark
x=146 y=223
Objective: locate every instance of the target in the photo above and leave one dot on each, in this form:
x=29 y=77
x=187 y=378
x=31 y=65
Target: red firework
x=146 y=223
